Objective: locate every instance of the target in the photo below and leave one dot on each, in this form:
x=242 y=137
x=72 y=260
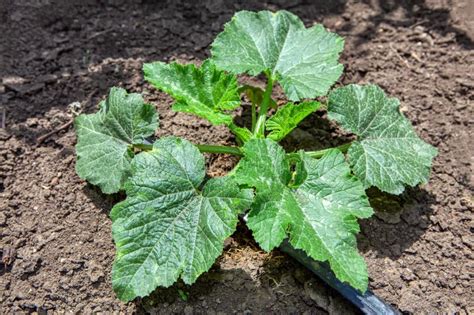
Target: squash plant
x=174 y=219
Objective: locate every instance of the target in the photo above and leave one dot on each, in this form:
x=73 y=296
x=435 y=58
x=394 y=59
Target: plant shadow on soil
x=170 y=31
x=398 y=221
x=101 y=81
x=251 y=281
x=438 y=19
x=106 y=46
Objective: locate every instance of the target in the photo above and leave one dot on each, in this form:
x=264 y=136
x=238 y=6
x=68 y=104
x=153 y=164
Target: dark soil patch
x=55 y=237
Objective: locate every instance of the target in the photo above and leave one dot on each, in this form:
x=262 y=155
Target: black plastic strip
x=368 y=303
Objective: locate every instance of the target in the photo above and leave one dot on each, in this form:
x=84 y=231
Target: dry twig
x=42 y=138
x=403 y=60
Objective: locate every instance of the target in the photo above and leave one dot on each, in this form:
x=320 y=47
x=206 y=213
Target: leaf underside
x=288 y=117
x=104 y=138
x=319 y=215
x=168 y=227
x=303 y=60
x=388 y=153
x=203 y=91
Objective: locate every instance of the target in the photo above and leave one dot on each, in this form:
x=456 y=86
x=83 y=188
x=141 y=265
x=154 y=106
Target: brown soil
x=55 y=240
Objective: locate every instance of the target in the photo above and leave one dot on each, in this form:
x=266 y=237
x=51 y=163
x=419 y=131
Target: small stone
x=54 y=181
x=408 y=275
x=18 y=295
x=13 y=79
x=94 y=271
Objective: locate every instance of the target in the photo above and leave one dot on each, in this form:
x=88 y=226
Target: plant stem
x=204 y=148
x=219 y=149
x=254 y=116
x=262 y=113
x=317 y=154
x=222 y=149
x=143 y=146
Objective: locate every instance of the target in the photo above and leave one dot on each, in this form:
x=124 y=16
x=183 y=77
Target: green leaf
x=303 y=60
x=319 y=216
x=204 y=91
x=104 y=138
x=170 y=227
x=388 y=154
x=242 y=133
x=288 y=117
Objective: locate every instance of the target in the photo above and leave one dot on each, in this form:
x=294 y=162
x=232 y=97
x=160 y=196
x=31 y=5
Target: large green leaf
x=388 y=153
x=170 y=227
x=318 y=212
x=204 y=91
x=288 y=117
x=104 y=138
x=303 y=60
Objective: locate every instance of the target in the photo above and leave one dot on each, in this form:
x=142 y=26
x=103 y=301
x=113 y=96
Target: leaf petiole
x=222 y=149
x=142 y=146
x=318 y=154
x=207 y=148
x=262 y=113
x=204 y=148
x=254 y=116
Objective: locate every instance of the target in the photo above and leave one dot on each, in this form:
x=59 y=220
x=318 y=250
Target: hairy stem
x=222 y=149
x=317 y=154
x=204 y=148
x=262 y=113
x=254 y=116
x=207 y=148
x=143 y=146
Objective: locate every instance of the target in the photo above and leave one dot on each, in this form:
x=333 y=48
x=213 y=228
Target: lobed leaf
x=104 y=138
x=319 y=213
x=288 y=117
x=204 y=91
x=303 y=60
x=168 y=227
x=388 y=154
